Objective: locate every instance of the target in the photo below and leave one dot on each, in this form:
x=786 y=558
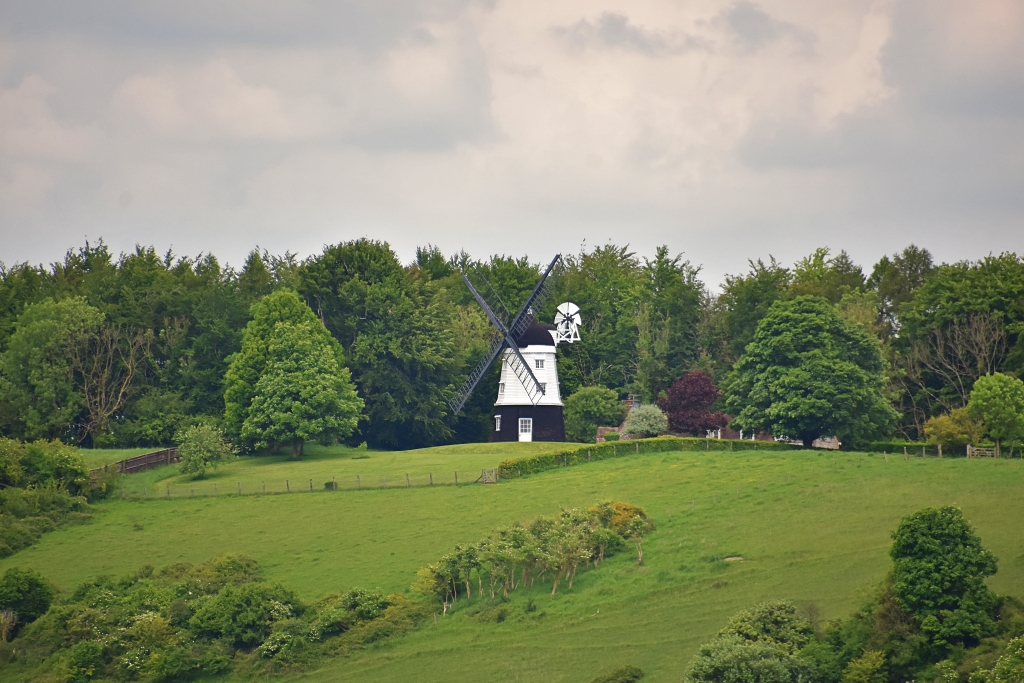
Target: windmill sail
x=506 y=336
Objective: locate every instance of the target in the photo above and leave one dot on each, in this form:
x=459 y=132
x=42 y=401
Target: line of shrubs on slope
x=932 y=620
x=582 y=453
x=519 y=555
x=43 y=485
x=185 y=622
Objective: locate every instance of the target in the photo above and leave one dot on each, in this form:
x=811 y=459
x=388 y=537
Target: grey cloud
x=756 y=29
x=367 y=24
x=613 y=30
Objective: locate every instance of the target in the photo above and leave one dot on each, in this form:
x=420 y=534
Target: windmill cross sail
x=506 y=339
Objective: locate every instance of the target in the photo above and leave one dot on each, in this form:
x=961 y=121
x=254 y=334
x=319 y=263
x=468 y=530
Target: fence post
x=287 y=486
x=193 y=493
x=359 y=483
x=215 y=489
x=638 y=447
x=239 y=488
x=456 y=477
x=940 y=450
x=334 y=483
x=264 y=487
x=168 y=493
x=407 y=484
x=310 y=484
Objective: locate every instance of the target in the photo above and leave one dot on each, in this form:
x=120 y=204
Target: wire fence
x=249 y=487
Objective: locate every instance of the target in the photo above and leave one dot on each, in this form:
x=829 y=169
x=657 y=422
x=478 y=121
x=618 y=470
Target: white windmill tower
x=529 y=404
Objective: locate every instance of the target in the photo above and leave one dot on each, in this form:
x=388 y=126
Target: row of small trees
x=518 y=555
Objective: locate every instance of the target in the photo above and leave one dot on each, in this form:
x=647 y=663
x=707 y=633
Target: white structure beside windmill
x=529 y=404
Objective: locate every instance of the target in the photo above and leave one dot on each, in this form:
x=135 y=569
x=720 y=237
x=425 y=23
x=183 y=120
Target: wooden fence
x=140 y=463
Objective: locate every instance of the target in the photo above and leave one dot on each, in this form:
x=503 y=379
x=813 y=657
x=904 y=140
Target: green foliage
x=731 y=659
x=185 y=622
x=626 y=674
x=808 y=373
x=868 y=668
x=939 y=571
x=588 y=409
x=1010 y=667
x=748 y=298
x=37 y=382
x=250 y=363
x=825 y=276
x=27 y=514
x=954 y=429
x=200 y=448
x=518 y=555
x=42 y=463
x=26 y=593
x=304 y=392
x=396 y=332
x=998 y=401
x=774 y=623
x=645 y=421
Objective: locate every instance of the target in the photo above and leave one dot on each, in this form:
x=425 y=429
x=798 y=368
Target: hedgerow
x=582 y=453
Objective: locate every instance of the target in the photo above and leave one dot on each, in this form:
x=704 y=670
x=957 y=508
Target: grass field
x=813 y=527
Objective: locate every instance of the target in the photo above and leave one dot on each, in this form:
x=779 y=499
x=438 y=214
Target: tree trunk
x=808 y=443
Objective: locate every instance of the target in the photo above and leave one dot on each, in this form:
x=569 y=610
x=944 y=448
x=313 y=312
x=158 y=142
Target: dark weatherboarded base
x=548 y=423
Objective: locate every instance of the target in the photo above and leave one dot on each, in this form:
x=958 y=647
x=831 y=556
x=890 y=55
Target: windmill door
x=526 y=429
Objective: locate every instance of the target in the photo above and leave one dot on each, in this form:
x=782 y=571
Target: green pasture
x=812 y=527
x=98 y=457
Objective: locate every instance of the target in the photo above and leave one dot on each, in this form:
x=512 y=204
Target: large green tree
x=939 y=572
x=288 y=383
x=396 y=331
x=40 y=396
x=809 y=373
x=304 y=392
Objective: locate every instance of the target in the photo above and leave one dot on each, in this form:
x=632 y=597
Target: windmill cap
x=536 y=335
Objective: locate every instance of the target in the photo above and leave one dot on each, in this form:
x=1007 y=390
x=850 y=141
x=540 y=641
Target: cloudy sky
x=725 y=129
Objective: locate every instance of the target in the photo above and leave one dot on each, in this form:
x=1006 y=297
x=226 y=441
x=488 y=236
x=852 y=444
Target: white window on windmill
x=539 y=363
x=497 y=423
x=501 y=388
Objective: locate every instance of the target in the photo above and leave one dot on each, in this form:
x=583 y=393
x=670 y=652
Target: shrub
x=775 y=623
x=1010 y=667
x=202 y=447
x=52 y=463
x=589 y=408
x=627 y=674
x=25 y=592
x=732 y=659
x=646 y=421
x=611 y=436
x=954 y=429
x=243 y=615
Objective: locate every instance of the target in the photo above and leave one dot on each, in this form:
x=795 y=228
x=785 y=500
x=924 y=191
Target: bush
x=954 y=430
x=646 y=421
x=775 y=623
x=200 y=448
x=732 y=659
x=627 y=674
x=42 y=463
x=588 y=409
x=245 y=615
x=25 y=592
x=611 y=436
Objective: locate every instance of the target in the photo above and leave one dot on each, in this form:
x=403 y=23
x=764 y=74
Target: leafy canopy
x=687 y=404
x=809 y=373
x=998 y=400
x=939 y=571
x=589 y=408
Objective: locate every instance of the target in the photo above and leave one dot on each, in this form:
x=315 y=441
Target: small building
x=516 y=418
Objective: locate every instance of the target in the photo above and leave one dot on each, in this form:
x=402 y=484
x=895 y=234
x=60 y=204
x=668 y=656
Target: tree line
x=129 y=350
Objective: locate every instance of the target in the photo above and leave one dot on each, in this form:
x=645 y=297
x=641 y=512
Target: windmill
x=528 y=402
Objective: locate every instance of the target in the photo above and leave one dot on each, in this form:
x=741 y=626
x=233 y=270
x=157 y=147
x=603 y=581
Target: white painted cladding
x=514 y=394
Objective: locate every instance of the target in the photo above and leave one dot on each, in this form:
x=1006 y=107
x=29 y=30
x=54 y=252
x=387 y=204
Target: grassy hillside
x=812 y=527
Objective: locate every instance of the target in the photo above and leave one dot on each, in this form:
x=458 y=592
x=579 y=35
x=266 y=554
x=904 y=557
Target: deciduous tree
x=809 y=373
x=687 y=404
x=589 y=408
x=998 y=400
